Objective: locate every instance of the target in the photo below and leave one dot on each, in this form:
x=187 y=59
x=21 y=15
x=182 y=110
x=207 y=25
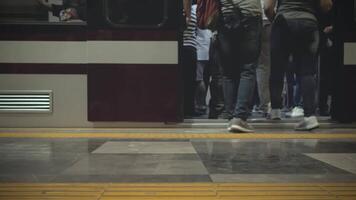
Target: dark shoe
x=275 y=114
x=238 y=125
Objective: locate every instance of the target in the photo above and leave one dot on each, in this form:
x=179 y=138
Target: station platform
x=177 y=163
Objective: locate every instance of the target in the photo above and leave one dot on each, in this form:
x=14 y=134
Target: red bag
x=207 y=13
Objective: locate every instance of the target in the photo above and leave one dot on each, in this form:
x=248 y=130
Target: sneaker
x=275 y=114
x=238 y=125
x=296 y=112
x=307 y=124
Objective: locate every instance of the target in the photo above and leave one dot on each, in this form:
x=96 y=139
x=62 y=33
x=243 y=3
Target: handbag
x=234 y=21
x=208 y=14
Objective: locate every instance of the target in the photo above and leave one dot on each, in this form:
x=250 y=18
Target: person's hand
x=68 y=14
x=187 y=19
x=328 y=29
x=44 y=3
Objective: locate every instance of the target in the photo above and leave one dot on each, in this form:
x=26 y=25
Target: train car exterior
x=114 y=64
x=120 y=63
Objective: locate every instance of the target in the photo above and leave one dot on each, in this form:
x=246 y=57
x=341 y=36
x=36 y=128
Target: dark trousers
x=300 y=38
x=239 y=53
x=189 y=63
x=216 y=103
x=294 y=96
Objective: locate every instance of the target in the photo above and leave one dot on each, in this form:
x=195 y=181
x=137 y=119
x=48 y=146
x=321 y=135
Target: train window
x=136 y=13
x=43 y=11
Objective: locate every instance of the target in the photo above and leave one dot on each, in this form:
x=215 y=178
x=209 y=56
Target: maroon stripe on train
x=43 y=36
x=136 y=35
x=19 y=68
x=350 y=37
x=134 y=93
x=80 y=35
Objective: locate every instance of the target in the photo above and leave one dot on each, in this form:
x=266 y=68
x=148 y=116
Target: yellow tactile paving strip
x=121 y=135
x=179 y=191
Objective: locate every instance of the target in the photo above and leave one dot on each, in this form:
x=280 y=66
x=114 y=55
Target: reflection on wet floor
x=182 y=160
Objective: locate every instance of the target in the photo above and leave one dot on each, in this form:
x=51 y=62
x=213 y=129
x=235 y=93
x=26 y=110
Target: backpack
x=208 y=14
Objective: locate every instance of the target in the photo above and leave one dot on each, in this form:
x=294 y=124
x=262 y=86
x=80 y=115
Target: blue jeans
x=299 y=37
x=263 y=70
x=239 y=58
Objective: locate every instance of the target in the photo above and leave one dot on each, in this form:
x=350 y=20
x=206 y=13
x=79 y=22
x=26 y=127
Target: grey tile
x=258 y=162
x=19 y=178
x=297 y=146
x=33 y=167
x=256 y=157
x=182 y=167
x=45 y=178
x=139 y=164
x=282 y=178
x=98 y=165
x=157 y=147
x=351 y=156
x=345 y=161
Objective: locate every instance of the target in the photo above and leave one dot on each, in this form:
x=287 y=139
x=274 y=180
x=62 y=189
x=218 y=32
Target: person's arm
x=187 y=6
x=326 y=5
x=82 y=11
x=269 y=9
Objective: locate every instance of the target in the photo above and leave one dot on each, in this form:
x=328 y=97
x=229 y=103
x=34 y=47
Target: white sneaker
x=296 y=112
x=307 y=124
x=275 y=114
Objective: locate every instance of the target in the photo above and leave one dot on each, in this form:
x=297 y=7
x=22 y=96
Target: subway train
x=116 y=63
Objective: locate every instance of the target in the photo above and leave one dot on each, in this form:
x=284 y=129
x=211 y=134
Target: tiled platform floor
x=174 y=164
x=112 y=160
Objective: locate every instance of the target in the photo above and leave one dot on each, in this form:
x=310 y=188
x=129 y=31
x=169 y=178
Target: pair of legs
x=300 y=38
x=239 y=53
x=189 y=62
x=263 y=70
x=202 y=83
x=209 y=75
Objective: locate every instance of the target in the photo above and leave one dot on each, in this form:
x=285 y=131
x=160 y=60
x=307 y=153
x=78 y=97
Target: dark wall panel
x=133 y=93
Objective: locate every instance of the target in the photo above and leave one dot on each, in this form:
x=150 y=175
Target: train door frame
x=344 y=107
x=154 y=96
x=96 y=30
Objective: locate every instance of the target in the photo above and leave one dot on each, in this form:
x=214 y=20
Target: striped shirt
x=248 y=7
x=190 y=33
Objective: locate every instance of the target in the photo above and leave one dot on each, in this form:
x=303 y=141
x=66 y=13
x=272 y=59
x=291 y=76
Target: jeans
x=299 y=37
x=202 y=81
x=239 y=58
x=263 y=70
x=294 y=96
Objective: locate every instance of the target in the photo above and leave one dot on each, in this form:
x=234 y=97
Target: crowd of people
x=266 y=57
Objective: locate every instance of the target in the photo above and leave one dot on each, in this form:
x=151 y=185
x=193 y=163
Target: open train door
x=133 y=71
x=344 y=97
